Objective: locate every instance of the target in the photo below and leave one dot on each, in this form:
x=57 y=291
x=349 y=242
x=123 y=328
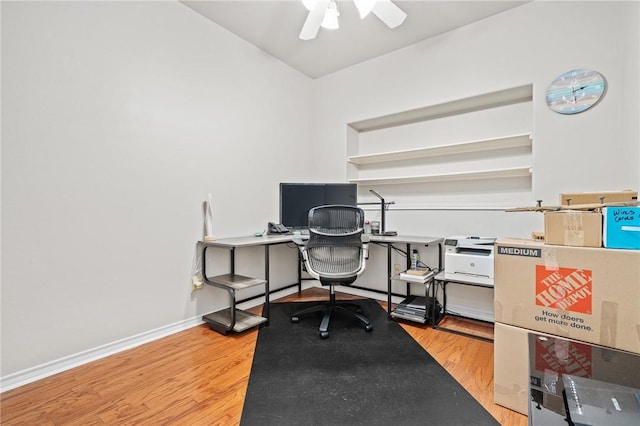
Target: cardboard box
x=573 y=228
x=537 y=236
x=582 y=293
x=598 y=197
x=622 y=227
x=517 y=366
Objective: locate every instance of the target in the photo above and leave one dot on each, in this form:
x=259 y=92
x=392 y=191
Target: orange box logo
x=563 y=357
x=564 y=288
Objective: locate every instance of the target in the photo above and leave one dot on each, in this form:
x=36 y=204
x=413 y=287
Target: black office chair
x=335 y=254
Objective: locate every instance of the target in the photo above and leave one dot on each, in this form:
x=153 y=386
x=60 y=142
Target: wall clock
x=575 y=91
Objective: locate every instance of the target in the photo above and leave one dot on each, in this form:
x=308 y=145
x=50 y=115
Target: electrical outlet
x=396 y=269
x=196 y=284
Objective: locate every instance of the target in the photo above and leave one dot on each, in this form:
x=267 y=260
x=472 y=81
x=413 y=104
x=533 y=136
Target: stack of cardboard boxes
x=568 y=286
x=613 y=227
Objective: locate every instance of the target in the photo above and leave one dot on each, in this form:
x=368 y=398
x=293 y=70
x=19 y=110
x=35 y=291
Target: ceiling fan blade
x=313 y=21
x=389 y=13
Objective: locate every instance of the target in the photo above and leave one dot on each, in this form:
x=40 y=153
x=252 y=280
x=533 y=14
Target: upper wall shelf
x=449 y=177
x=516 y=141
x=460 y=106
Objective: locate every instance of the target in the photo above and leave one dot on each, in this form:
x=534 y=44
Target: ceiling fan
x=324 y=13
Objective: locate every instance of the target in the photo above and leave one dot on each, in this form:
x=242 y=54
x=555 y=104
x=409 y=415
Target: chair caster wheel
x=324 y=335
x=368 y=328
x=295 y=319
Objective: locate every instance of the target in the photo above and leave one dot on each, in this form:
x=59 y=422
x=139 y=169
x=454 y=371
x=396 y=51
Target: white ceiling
x=274 y=25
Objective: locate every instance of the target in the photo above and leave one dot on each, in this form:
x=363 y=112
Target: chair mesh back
x=334 y=247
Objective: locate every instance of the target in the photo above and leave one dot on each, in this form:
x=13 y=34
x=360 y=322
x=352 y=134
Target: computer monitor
x=296 y=199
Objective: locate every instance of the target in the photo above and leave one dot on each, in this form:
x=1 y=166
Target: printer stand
x=443 y=279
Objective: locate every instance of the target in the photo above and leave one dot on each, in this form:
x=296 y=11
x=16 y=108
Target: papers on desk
x=420 y=275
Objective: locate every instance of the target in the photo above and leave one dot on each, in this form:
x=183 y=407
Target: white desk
x=225 y=281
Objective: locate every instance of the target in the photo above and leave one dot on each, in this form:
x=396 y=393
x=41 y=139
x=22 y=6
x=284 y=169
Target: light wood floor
x=199 y=377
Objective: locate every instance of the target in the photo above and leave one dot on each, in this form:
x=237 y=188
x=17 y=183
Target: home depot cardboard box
x=622 y=227
x=598 y=197
x=581 y=293
x=522 y=361
x=573 y=228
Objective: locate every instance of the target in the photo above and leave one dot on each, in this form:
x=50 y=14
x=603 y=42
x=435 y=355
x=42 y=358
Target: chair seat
x=327 y=282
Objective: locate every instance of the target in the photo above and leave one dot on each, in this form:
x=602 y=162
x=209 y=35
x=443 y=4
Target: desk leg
x=232 y=260
x=389 y=282
x=408 y=266
x=299 y=271
x=435 y=319
x=265 y=312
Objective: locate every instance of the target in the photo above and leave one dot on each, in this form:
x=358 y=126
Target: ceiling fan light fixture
x=364 y=7
x=324 y=13
x=310 y=4
x=330 y=20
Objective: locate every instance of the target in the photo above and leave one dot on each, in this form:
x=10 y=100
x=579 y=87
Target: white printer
x=469 y=256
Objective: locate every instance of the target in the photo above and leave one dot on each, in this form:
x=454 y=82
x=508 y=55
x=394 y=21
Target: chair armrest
x=298 y=241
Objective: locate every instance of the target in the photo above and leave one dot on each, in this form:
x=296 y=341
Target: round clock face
x=575 y=91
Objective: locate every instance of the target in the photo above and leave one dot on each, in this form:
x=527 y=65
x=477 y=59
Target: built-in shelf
x=445 y=150
x=459 y=106
x=516 y=141
x=449 y=177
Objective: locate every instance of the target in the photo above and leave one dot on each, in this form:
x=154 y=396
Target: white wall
x=118 y=119
x=528 y=44
x=594 y=151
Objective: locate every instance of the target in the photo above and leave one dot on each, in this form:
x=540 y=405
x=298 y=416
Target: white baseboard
x=47 y=369
x=467 y=311
x=21 y=378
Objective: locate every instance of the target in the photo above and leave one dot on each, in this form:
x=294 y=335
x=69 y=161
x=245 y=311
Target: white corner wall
x=118 y=119
x=597 y=150
x=531 y=44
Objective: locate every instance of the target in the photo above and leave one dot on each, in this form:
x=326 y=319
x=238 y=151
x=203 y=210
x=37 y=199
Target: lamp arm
x=383 y=208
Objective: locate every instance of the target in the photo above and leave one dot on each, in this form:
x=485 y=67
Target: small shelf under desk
x=418 y=309
x=443 y=279
x=233 y=319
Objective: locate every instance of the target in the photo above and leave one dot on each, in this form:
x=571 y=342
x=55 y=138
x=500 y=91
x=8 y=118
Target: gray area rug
x=383 y=377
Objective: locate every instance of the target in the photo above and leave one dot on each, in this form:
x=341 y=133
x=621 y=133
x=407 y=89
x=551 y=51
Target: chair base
x=328 y=309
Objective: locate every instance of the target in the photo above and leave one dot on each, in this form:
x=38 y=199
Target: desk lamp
x=383 y=208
